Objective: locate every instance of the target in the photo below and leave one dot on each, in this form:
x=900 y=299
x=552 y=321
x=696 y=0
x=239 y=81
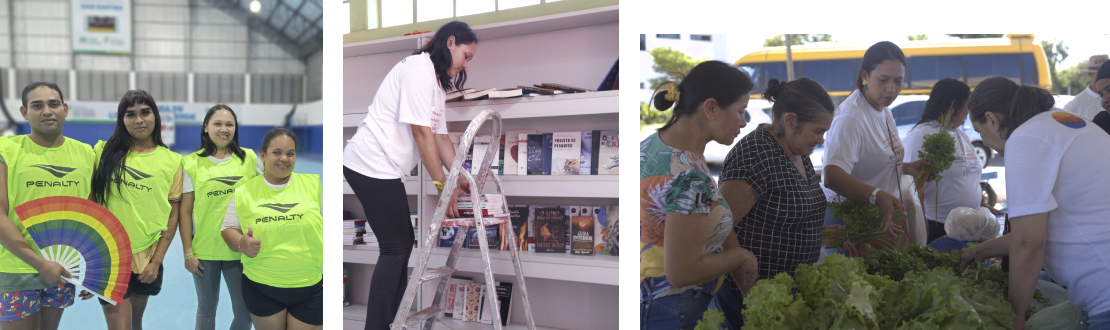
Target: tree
x=672 y=63
x=1055 y=52
x=975 y=36
x=917 y=37
x=650 y=116
x=1072 y=78
x=799 y=39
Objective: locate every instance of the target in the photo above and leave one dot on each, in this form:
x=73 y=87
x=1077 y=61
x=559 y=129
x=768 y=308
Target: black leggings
x=387 y=212
x=936 y=230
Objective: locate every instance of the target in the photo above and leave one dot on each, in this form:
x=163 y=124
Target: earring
x=865 y=85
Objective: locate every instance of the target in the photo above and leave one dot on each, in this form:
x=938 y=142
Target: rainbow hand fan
x=83 y=237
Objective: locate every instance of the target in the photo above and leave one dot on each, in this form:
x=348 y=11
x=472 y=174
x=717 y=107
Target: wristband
x=189 y=256
x=874 y=194
x=439 y=185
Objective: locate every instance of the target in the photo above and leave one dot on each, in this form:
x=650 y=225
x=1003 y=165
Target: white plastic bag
x=915 y=223
x=967 y=225
x=1055 y=312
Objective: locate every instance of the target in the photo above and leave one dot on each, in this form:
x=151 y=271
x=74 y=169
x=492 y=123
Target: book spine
x=535 y=154
x=501 y=157
x=584 y=160
x=473 y=297
x=505 y=301
x=595 y=149
x=546 y=160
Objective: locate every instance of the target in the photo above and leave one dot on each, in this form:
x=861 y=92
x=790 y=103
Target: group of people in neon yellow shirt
x=223 y=198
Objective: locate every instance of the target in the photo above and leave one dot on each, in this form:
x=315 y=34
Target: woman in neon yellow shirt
x=138 y=179
x=211 y=174
x=283 y=247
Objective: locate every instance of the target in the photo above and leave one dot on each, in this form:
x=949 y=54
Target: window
x=427 y=10
x=981 y=67
x=508 y=4
x=1028 y=68
x=756 y=72
x=471 y=7
x=925 y=71
x=667 y=36
x=747 y=116
x=908 y=113
x=395 y=12
x=833 y=75
x=643 y=42
x=701 y=37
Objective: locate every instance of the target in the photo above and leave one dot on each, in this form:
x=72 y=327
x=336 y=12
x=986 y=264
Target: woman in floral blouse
x=686 y=246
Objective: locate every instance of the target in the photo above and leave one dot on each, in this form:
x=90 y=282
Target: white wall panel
x=268 y=66
x=161 y=14
x=42 y=61
x=161 y=31
x=209 y=15
x=268 y=50
x=42 y=26
x=219 y=49
x=42 y=8
x=42 y=44
x=161 y=2
x=149 y=64
x=219 y=65
x=159 y=48
x=102 y=62
x=220 y=32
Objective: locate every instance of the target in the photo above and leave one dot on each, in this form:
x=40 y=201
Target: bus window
x=925 y=71
x=981 y=67
x=833 y=75
x=756 y=72
x=1028 y=67
x=908 y=113
x=773 y=70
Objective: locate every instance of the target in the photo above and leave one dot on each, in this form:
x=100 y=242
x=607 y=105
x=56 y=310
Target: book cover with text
x=535 y=154
x=609 y=158
x=566 y=153
x=551 y=226
x=512 y=152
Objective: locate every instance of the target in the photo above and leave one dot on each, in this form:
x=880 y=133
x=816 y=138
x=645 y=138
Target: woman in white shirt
x=960 y=184
x=1057 y=186
x=405 y=124
x=863 y=154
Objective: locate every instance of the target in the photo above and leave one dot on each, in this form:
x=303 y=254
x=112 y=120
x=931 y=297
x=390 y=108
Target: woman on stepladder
x=138 y=179
x=211 y=174
x=404 y=124
x=283 y=248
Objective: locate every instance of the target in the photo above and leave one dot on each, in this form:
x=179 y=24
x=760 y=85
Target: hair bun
x=661 y=102
x=774 y=89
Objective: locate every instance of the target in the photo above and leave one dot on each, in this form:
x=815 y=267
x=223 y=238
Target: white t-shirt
x=187 y=181
x=864 y=143
x=1085 y=105
x=1056 y=163
x=959 y=185
x=383 y=146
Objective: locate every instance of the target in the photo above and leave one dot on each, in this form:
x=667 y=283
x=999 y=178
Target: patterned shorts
x=17 y=305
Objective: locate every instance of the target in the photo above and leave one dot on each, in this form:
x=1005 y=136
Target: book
x=354 y=223
x=585 y=161
x=548 y=140
x=359 y=230
x=535 y=154
x=473 y=297
x=346 y=288
x=493 y=237
x=550 y=227
x=484 y=314
x=532 y=218
x=447 y=236
x=512 y=154
x=566 y=153
x=506 y=93
x=453 y=285
x=610 y=80
x=539 y=91
x=522 y=156
x=501 y=156
x=608 y=155
x=481 y=144
x=480 y=94
x=582 y=233
x=459 y=308
x=565 y=88
x=456 y=95
x=612 y=230
x=505 y=301
x=595 y=147
x=599 y=229
x=518 y=217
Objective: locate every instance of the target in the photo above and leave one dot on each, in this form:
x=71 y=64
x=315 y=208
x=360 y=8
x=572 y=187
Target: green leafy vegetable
x=710 y=320
x=938 y=149
x=862 y=221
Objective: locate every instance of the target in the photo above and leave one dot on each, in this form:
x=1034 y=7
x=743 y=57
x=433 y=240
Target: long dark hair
x=709 y=79
x=943 y=94
x=441 y=56
x=802 y=97
x=209 y=148
x=875 y=55
x=1013 y=103
x=114 y=156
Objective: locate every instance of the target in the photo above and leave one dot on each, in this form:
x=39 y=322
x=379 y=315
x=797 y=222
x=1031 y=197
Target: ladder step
x=435 y=273
x=414 y=320
x=469 y=222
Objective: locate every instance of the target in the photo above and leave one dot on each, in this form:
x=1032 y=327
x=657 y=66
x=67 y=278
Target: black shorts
x=305 y=303
x=146 y=289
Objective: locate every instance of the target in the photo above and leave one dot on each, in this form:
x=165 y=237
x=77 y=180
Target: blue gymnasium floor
x=175 y=307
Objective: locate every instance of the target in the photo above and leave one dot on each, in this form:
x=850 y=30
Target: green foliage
x=841 y=294
x=975 y=36
x=798 y=39
x=862 y=221
x=917 y=37
x=896 y=262
x=650 y=116
x=1054 y=52
x=672 y=63
x=938 y=149
x=710 y=320
x=1071 y=81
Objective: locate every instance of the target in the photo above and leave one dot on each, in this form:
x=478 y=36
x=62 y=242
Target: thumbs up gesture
x=250 y=245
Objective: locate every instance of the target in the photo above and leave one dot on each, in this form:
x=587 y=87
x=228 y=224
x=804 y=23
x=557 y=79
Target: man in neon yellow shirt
x=43 y=163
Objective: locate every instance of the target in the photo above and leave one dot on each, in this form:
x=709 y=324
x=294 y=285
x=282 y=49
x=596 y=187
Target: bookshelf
x=524 y=52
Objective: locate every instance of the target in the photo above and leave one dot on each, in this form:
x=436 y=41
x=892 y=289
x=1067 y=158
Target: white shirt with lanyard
x=383 y=146
x=864 y=143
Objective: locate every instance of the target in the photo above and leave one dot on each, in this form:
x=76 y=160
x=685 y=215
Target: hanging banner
x=101 y=26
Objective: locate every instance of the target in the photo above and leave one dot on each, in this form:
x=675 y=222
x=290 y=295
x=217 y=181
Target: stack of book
x=354 y=232
x=466 y=300
x=493 y=205
x=471 y=94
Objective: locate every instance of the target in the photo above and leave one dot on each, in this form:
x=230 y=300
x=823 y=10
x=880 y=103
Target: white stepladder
x=421 y=274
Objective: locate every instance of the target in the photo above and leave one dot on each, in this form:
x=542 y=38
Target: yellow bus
x=1015 y=56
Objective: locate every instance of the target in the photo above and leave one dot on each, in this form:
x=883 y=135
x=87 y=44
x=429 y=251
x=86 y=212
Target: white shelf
x=582 y=186
x=599 y=269
x=563 y=21
x=412 y=186
x=539 y=106
x=357 y=312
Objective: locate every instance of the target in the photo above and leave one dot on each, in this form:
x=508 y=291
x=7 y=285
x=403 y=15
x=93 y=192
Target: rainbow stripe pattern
x=85 y=238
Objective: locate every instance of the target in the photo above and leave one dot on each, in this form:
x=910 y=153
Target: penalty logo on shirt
x=58 y=172
x=283 y=208
x=228 y=180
